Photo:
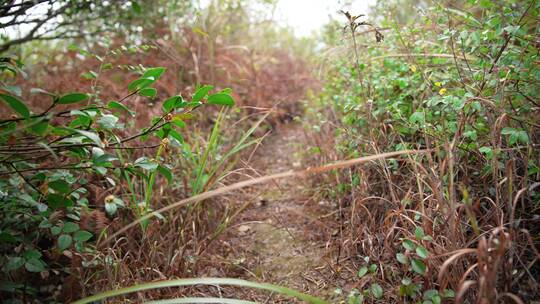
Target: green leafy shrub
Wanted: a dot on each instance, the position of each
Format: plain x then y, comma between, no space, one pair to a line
460,80
51,159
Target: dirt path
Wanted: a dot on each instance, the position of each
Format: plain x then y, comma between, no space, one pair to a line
281,239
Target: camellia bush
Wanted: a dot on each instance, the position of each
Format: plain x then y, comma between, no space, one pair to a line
51,161
463,81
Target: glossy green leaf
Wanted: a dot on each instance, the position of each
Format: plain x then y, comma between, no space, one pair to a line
64,241
114,105
16,104
34,265
72,98
107,122
146,163
154,72
70,227
201,93
148,92
362,272
14,263
402,258
60,186
418,266
6,237
90,135
56,201
170,103
82,236
136,7
422,252
111,208
140,83
221,99
40,127
32,254
166,172
56,230
409,245
419,233
376,290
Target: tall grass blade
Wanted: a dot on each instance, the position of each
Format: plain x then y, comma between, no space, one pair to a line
203,281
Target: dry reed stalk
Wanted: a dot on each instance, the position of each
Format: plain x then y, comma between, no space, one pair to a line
261,180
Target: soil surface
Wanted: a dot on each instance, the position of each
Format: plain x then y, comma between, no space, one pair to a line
283,237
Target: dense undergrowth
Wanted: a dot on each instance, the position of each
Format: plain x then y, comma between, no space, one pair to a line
98,133
111,129
459,80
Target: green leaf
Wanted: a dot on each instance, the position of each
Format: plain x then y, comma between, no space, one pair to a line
72,98
58,201
107,122
448,293
422,252
40,128
402,258
418,266
418,117
362,272
221,99
82,236
376,290
104,159
114,105
148,92
166,172
522,137
32,254
154,72
34,265
140,83
60,186
201,93
64,241
56,230
465,16
177,136
146,163
178,122
111,208
70,227
419,233
6,237
16,104
508,131
90,135
170,103
487,151
89,75
136,7
14,263
409,245
428,294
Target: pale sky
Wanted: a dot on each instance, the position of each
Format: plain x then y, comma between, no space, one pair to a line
306,16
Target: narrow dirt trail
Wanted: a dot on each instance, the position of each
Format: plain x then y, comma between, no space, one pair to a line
282,237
